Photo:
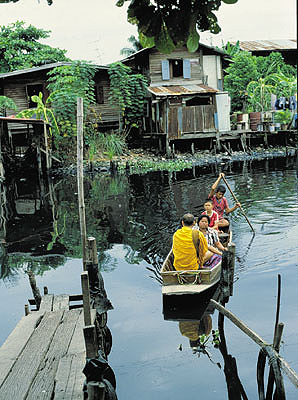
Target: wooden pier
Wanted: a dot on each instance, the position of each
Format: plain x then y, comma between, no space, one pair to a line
44,356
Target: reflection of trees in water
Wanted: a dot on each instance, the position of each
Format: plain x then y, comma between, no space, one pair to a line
20,262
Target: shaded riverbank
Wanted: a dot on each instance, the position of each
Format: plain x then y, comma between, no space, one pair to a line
138,161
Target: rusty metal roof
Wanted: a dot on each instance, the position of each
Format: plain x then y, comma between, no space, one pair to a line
267,45
14,120
179,90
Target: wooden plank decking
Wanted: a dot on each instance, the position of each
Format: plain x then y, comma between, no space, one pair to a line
44,356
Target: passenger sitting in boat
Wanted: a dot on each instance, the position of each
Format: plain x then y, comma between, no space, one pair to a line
189,246
214,244
220,203
208,206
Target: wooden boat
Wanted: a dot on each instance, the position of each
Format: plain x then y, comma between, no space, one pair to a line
191,281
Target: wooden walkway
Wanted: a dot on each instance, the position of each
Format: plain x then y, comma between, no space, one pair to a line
44,356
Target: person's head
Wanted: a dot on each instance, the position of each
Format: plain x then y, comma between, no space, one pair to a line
203,221
220,191
208,206
188,220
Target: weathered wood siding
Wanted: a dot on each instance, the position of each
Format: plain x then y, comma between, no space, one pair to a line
191,119
107,111
196,67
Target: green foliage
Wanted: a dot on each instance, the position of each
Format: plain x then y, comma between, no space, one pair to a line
128,93
110,144
41,111
283,117
66,84
241,71
172,23
136,46
259,94
144,166
250,80
20,47
7,104
231,49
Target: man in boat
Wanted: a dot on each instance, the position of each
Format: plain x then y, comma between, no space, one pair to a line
220,203
190,247
214,244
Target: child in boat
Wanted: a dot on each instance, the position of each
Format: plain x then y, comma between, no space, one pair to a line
220,203
208,206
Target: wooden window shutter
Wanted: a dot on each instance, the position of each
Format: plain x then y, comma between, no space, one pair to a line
186,69
165,70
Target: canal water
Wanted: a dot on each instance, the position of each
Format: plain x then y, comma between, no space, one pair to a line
133,219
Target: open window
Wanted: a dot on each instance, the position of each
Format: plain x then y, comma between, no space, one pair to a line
176,68
33,90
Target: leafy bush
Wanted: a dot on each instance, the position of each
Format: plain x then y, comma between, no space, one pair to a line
110,144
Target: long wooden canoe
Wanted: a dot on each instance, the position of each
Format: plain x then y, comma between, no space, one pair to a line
190,281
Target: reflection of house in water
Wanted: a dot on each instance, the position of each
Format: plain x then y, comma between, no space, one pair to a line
28,206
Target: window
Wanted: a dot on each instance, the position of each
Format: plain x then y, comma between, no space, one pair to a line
176,68
33,90
99,94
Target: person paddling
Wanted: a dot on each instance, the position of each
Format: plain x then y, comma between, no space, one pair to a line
220,203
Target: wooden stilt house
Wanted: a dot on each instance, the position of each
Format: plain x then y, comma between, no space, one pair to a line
185,95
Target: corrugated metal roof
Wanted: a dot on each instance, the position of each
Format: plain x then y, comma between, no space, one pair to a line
23,120
267,45
40,68
178,90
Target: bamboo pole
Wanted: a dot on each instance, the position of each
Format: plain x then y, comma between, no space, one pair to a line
241,209
80,177
46,145
292,375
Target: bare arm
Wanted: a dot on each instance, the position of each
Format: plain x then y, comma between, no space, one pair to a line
214,250
215,184
220,246
229,210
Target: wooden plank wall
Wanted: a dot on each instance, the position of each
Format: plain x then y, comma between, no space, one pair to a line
196,63
194,119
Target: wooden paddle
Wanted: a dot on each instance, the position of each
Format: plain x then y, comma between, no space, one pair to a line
235,198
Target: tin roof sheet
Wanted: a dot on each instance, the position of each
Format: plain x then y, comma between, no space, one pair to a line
178,90
267,45
14,120
42,67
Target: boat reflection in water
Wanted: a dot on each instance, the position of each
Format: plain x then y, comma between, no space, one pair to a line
195,323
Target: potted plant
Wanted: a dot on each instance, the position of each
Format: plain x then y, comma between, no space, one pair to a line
283,117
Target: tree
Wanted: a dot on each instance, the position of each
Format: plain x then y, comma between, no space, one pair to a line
168,23
242,70
136,46
251,79
20,47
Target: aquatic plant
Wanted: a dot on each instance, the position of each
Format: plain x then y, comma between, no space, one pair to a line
144,166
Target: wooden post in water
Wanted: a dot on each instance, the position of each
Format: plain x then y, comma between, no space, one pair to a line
80,176
86,297
27,309
91,251
96,390
292,375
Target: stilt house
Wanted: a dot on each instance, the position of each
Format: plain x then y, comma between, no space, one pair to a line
186,98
